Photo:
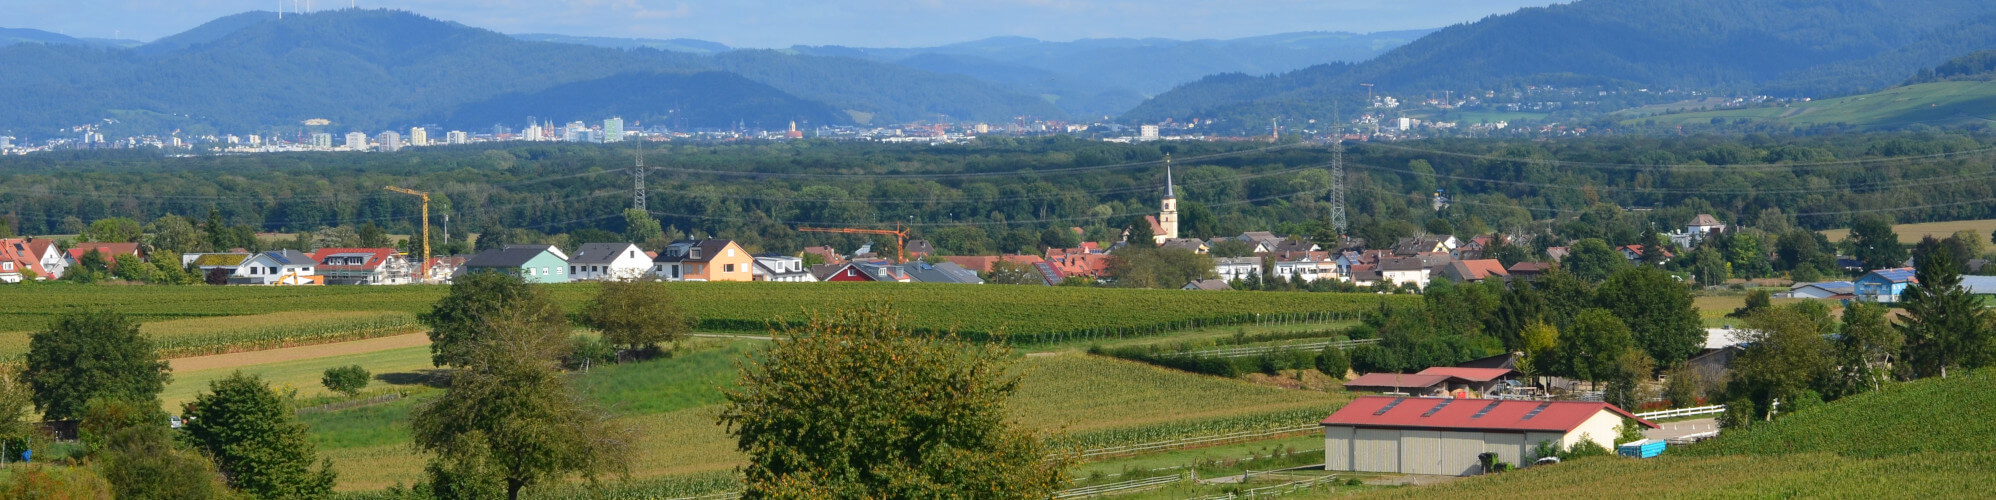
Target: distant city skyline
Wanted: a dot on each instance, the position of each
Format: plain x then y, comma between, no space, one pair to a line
784,23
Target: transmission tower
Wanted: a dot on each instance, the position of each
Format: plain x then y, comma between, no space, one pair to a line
638,178
1338,186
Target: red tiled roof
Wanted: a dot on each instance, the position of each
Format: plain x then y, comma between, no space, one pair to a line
1397,380
108,249
1462,414
1469,374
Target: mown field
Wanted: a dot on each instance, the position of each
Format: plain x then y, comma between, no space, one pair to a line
1925,439
1911,233
1027,314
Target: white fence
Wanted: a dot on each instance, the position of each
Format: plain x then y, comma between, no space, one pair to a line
1125,486
1276,490
1682,412
1196,441
1242,352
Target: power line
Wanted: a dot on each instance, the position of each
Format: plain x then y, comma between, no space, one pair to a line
1096,193
980,223
964,175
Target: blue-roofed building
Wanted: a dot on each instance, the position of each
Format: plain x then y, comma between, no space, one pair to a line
1884,285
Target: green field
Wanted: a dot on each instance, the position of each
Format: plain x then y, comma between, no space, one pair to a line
1027,314
1925,439
671,405
1938,104
1911,233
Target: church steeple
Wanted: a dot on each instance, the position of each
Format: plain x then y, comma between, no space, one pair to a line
1167,216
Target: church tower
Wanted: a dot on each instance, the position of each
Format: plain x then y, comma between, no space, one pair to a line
1168,217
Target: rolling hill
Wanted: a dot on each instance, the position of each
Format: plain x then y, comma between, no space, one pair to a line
368,70
1958,92
1802,48
677,99
11,36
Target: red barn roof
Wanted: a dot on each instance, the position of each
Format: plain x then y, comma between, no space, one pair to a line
1471,414
1397,380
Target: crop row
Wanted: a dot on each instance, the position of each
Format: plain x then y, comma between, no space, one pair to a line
1180,430
272,331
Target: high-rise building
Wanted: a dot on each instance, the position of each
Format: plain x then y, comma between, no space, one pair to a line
322,140
6,142
357,141
457,137
533,132
613,130
419,137
255,140
1147,132
390,141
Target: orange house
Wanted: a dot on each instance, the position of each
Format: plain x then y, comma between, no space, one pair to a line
704,260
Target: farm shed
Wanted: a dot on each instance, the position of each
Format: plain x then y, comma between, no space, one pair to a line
1441,436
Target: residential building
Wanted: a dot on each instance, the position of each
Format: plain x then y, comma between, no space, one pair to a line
364,266
1147,133
941,272
1528,270
1193,245
1304,266
704,260
781,268
419,137
1635,253
533,263
322,140
1425,244
111,251
1416,270
18,262
1700,227
608,261
919,249
1475,271
277,267
39,255
1208,285
1295,245
457,137
356,141
613,129
1884,285
1445,436
828,254
982,263
1236,268
390,141
867,271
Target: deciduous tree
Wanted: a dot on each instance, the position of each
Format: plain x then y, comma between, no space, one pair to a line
461,318
637,315
92,354
256,440
1784,355
1873,242
853,405
1593,260
1658,310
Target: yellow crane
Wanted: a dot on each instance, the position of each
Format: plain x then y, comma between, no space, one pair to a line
425,267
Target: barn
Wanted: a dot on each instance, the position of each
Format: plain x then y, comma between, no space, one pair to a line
1441,436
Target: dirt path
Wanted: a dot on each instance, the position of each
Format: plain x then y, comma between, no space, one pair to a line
239,359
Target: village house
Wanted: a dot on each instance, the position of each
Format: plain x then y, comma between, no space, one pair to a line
609,262
781,268
828,254
1207,285
110,251
1885,285
1697,230
1425,244
363,266
277,267
1236,268
1193,245
1304,266
1635,253
37,255
704,260
867,271
941,272
1475,271
533,263
919,249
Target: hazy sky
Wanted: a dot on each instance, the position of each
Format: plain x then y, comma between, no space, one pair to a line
782,23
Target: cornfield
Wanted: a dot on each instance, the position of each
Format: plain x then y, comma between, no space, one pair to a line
203,336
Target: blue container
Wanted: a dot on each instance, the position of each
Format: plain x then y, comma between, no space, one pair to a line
1647,448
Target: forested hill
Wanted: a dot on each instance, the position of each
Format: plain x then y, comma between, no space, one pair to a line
370,70
1800,48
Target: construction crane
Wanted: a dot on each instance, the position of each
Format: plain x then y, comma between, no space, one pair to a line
425,267
899,233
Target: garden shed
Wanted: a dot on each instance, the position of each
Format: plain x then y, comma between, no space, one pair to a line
1441,436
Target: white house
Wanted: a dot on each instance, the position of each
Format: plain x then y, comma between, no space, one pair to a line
1405,271
781,268
1701,226
608,261
1234,268
277,267
1443,436
1305,266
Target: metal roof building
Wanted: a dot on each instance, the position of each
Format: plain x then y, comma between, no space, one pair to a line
1441,436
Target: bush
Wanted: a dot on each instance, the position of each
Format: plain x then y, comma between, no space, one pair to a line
54,482
1739,415
586,350
1333,362
348,380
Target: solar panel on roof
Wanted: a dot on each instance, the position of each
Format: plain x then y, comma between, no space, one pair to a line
1438,407
1389,406
1535,411
1486,410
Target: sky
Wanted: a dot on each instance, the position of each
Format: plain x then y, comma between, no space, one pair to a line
783,23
